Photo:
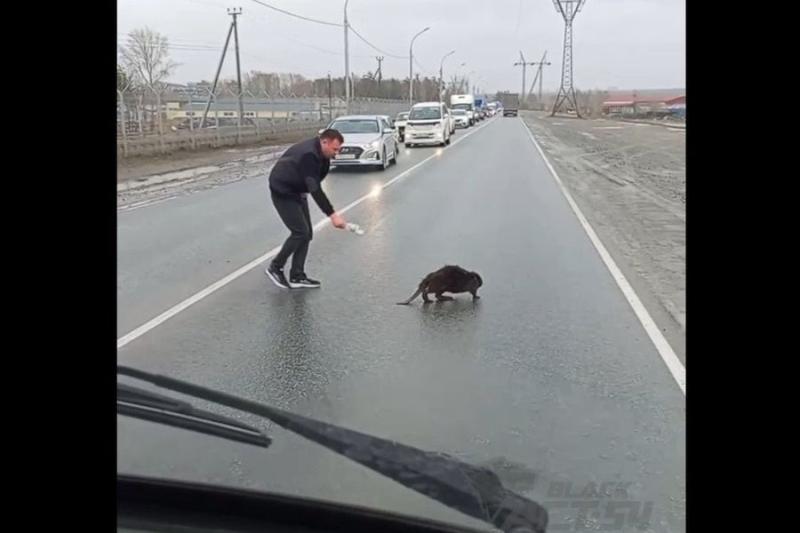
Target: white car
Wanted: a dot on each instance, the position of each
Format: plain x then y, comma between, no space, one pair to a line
428,123
462,118
400,125
390,122
369,140
451,120
465,102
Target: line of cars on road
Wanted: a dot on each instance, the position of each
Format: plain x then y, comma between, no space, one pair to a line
374,140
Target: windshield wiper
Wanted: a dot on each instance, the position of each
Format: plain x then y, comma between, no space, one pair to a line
475,491
146,405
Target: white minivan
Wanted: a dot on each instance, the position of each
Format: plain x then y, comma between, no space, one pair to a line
428,123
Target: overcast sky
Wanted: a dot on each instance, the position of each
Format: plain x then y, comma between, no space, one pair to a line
627,44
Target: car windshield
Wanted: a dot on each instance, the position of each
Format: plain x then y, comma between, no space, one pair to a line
424,113
490,265
356,126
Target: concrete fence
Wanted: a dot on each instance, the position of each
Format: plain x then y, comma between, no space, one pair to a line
138,141
279,131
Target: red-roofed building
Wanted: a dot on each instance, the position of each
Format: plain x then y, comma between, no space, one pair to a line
646,102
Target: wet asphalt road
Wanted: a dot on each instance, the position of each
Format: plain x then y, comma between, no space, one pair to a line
550,369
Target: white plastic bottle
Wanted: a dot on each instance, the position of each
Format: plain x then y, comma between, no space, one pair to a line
355,228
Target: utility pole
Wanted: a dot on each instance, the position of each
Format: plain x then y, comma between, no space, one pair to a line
524,68
346,62
235,12
566,92
539,76
330,97
380,72
216,76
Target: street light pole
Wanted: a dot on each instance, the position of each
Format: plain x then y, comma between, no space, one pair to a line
441,66
411,68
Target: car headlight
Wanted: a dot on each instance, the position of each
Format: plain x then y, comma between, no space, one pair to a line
371,146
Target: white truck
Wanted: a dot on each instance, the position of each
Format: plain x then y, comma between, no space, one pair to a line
465,102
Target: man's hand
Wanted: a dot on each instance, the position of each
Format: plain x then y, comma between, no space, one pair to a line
338,221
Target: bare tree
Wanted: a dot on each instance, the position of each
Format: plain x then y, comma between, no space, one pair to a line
365,85
228,88
458,85
123,84
130,93
146,58
258,82
123,81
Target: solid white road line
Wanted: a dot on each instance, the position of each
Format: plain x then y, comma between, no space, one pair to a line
666,352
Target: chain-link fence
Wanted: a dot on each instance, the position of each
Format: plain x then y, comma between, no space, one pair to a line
158,121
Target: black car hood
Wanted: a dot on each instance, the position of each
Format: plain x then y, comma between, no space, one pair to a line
473,490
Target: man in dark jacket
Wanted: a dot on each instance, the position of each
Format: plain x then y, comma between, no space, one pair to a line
298,173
